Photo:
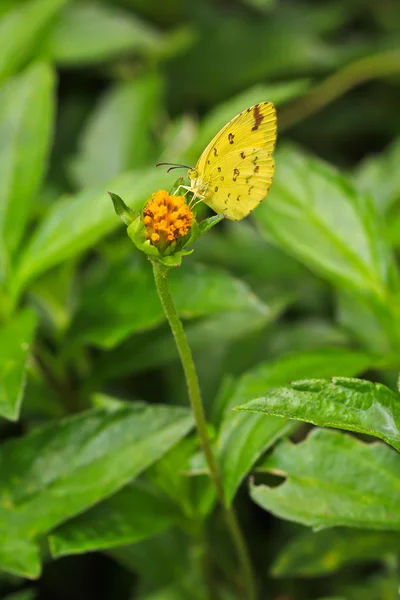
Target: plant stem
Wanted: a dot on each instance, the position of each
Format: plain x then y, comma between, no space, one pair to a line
242,552
185,353
360,71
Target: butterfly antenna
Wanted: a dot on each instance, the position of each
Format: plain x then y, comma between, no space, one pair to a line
172,166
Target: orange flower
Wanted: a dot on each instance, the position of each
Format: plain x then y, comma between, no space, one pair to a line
166,218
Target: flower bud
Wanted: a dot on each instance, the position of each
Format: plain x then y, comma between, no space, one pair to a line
165,227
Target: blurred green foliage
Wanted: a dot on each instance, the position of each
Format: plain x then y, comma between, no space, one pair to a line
99,465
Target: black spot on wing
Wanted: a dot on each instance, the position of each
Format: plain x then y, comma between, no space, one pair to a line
258,117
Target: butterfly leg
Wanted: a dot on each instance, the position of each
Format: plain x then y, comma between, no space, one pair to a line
192,204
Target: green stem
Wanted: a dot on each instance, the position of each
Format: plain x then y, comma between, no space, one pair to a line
185,353
242,552
358,72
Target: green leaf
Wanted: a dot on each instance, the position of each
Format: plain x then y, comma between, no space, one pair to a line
118,132
74,224
333,479
207,224
314,554
245,437
16,337
53,294
356,316
195,495
394,230
167,566
379,177
136,512
157,349
321,363
20,29
161,560
22,595
89,33
123,300
26,120
316,215
342,402
304,335
20,557
66,467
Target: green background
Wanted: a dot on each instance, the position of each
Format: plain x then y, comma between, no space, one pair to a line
103,490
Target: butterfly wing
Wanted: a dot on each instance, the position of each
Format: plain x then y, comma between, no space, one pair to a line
241,184
235,171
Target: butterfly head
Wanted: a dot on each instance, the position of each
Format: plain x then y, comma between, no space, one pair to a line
193,174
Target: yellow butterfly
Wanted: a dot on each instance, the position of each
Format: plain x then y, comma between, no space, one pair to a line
235,171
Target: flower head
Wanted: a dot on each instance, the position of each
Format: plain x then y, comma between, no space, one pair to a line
167,219
164,228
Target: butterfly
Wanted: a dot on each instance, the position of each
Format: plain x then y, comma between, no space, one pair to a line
235,171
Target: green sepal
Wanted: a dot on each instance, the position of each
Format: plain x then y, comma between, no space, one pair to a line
174,260
191,236
137,233
126,214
